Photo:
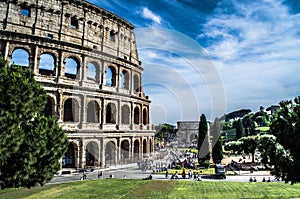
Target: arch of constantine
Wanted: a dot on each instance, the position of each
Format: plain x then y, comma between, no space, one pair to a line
86,59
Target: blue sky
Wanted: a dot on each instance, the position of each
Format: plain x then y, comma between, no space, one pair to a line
214,56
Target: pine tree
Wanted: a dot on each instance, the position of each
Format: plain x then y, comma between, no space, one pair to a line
30,143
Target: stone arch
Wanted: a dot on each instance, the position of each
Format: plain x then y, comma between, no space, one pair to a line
125,117
20,56
47,64
110,153
136,115
144,147
72,67
110,76
125,146
111,113
92,154
93,71
145,116
50,107
193,138
136,83
136,148
71,110
70,158
93,112
125,79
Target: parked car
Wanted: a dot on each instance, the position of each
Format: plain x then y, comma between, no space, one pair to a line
220,171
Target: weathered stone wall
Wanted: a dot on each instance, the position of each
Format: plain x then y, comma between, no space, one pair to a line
85,33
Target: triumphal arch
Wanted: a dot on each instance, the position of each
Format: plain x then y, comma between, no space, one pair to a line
86,59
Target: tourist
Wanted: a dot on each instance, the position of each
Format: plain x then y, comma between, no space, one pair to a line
254,180
183,174
264,179
100,174
251,179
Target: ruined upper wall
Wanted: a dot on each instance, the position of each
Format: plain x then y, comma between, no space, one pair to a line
71,21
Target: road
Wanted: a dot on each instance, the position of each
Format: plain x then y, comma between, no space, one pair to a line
133,172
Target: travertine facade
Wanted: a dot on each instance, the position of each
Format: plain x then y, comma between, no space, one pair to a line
87,61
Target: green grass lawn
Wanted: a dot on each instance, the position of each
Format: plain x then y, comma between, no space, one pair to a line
126,188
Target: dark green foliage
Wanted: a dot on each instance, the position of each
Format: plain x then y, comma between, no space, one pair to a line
234,146
249,145
286,128
217,150
203,144
237,114
262,118
30,144
238,125
249,124
164,131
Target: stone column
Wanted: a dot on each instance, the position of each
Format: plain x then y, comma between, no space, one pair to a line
119,113
36,61
6,51
83,69
103,151
83,153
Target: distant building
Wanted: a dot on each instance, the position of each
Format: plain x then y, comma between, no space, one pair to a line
187,133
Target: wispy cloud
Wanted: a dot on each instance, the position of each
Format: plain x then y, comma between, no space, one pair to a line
253,45
148,14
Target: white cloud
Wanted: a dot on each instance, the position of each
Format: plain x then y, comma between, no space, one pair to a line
148,14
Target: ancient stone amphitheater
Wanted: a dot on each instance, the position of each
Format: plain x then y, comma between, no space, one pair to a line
86,58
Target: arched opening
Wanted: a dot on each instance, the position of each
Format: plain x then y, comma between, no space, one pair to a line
125,80
136,115
144,147
110,76
93,111
50,107
20,57
136,83
47,64
193,139
150,145
136,148
92,72
145,117
110,153
71,111
125,115
72,68
111,113
92,154
124,149
70,158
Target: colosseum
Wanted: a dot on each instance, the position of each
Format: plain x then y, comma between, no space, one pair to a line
86,59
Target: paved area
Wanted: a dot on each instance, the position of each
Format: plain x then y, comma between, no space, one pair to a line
131,171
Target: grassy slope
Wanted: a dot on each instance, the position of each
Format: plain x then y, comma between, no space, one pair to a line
122,188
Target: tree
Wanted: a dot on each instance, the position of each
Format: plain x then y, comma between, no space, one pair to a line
234,146
30,143
203,144
163,131
217,150
238,125
286,128
249,124
249,145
